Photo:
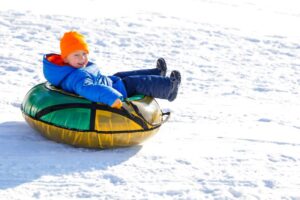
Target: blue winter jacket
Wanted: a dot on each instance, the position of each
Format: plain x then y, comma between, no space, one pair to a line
86,81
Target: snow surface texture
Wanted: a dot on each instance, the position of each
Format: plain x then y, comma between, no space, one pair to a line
235,126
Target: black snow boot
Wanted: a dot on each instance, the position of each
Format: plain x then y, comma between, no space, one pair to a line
175,82
162,66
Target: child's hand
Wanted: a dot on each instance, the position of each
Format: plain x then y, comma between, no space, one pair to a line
117,104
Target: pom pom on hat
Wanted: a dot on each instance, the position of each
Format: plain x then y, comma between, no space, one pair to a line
72,41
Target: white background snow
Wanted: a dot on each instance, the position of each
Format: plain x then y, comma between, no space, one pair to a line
235,127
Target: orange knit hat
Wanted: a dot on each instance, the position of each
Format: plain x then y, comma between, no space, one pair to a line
72,41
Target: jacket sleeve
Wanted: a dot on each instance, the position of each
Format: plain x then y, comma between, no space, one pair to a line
97,93
118,85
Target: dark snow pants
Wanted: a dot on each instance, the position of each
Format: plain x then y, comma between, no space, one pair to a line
147,82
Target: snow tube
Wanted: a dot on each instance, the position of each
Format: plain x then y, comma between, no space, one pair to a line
71,119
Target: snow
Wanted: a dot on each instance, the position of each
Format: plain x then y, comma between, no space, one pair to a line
235,126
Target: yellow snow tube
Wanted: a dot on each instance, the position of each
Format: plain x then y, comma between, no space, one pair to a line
71,119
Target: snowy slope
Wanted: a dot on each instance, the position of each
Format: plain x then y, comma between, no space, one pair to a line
235,126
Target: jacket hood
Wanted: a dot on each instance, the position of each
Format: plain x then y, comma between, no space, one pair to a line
54,73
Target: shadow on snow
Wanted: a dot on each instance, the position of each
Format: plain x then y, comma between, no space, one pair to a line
27,156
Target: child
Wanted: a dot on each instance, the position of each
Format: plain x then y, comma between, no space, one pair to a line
73,72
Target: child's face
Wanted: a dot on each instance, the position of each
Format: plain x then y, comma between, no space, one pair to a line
77,59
